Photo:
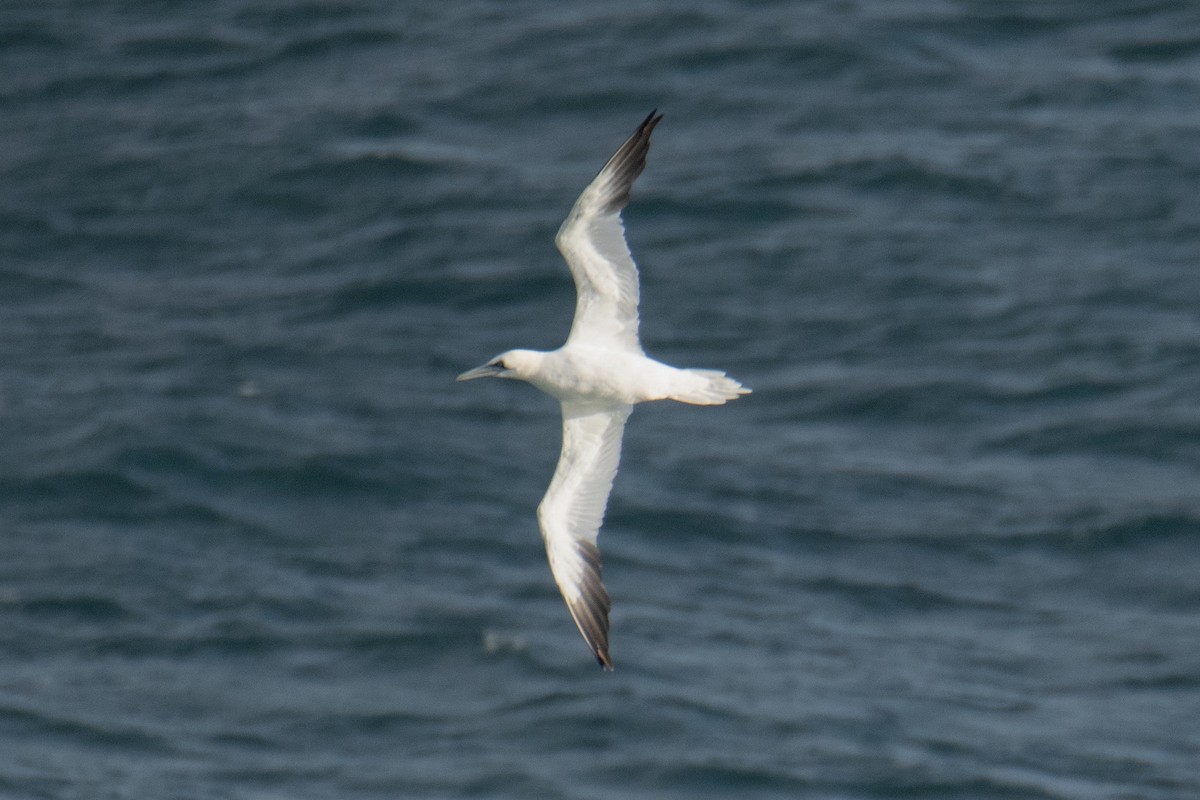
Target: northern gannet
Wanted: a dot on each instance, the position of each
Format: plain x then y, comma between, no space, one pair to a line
598,375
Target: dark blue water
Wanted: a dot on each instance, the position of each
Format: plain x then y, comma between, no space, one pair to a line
256,543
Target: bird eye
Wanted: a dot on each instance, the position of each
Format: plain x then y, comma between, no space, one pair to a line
499,362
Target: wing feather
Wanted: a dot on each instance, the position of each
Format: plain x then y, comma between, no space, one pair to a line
592,240
572,511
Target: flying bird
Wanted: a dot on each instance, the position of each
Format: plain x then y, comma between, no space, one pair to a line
598,375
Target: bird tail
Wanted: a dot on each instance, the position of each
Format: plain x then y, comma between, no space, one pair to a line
705,387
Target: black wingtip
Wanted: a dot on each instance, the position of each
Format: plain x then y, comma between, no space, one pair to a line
648,124
589,609
626,165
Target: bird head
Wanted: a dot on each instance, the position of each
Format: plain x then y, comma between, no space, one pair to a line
518,364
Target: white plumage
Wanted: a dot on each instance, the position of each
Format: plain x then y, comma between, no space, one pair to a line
598,375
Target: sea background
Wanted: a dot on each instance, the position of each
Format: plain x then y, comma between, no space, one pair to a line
255,542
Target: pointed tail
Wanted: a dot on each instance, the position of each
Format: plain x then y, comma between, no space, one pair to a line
705,387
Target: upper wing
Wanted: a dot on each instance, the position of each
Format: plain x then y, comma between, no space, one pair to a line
573,508
592,240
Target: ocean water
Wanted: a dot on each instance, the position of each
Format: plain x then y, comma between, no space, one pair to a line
256,543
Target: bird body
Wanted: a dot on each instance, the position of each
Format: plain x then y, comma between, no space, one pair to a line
598,375
578,373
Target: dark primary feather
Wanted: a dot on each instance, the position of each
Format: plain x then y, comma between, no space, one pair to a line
626,164
590,610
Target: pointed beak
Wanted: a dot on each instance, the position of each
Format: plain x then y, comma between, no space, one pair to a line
486,371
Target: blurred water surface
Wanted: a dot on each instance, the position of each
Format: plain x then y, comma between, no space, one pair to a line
256,543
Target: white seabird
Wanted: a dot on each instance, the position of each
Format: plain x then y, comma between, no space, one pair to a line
598,375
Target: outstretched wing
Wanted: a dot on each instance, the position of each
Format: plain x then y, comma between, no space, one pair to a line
573,508
592,240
